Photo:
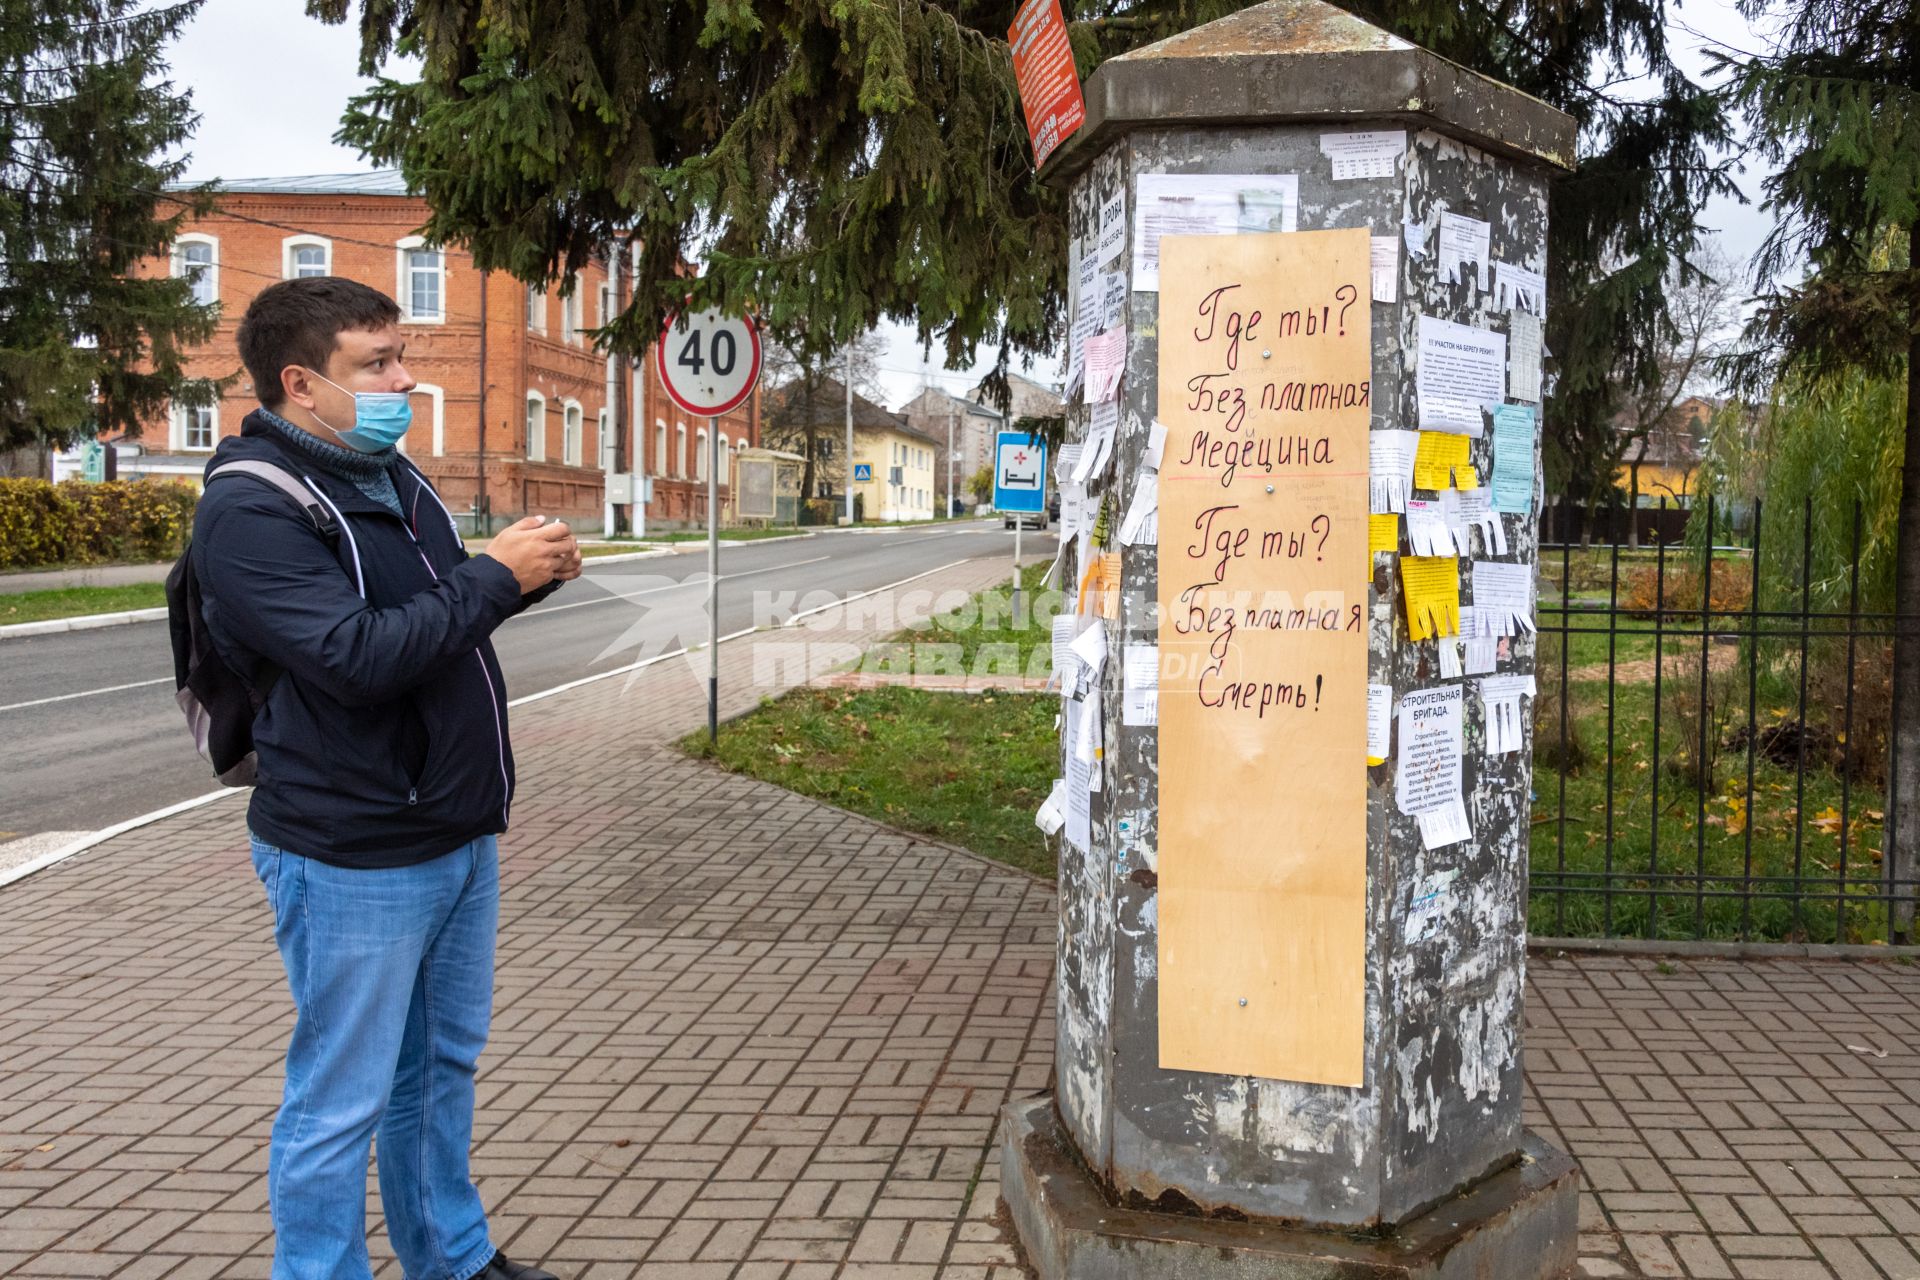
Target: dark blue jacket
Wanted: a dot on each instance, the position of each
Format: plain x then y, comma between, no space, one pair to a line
384,742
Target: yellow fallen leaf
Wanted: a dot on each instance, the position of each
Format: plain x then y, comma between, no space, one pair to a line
1828,821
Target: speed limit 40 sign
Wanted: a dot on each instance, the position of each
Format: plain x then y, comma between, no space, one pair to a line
708,362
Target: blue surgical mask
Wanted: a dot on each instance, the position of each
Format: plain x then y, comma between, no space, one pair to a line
380,418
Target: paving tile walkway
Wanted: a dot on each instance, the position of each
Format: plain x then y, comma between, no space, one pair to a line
740,1034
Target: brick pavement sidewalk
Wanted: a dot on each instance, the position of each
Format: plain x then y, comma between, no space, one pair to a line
741,1034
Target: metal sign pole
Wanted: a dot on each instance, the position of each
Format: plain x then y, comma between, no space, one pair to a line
713,581
847,373
701,370
1019,522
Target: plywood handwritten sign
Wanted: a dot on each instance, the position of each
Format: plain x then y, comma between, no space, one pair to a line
1265,369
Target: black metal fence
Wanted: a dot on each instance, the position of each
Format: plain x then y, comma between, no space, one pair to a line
1713,737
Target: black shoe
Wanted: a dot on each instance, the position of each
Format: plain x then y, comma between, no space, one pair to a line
499,1268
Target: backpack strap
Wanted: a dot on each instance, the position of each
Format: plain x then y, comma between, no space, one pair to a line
287,483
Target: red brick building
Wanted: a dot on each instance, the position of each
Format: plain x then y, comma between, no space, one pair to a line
514,403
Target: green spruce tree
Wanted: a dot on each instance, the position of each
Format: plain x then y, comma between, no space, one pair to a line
1836,104
839,161
87,119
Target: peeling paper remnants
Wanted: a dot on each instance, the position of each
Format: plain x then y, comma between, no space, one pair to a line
1487,1040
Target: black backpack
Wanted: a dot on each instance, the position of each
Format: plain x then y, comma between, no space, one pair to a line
218,702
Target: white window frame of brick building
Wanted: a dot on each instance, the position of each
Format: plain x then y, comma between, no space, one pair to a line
572,308
291,268
536,309
536,434
204,277
680,450
573,425
726,459
406,269
437,402
185,420
700,455
602,441
659,446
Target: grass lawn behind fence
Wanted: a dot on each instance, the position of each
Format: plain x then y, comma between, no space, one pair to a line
1685,872
75,602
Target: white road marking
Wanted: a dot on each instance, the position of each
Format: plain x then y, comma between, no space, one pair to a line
107,833
84,693
862,595
681,652
648,591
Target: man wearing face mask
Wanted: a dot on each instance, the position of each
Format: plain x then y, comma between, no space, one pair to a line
384,776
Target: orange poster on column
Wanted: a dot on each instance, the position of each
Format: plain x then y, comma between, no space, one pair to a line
1265,377
1043,68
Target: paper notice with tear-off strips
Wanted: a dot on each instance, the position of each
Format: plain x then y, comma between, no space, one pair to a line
1501,711
1464,254
1518,289
1390,465
1432,585
1263,705
1502,598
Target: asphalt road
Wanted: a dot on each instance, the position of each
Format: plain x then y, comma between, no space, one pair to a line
93,736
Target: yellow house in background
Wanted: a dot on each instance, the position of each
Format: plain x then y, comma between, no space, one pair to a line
893,471
1669,464
893,461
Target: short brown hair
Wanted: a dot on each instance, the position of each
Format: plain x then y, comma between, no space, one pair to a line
300,322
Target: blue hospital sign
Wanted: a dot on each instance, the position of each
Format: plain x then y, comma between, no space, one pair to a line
862,472
1020,473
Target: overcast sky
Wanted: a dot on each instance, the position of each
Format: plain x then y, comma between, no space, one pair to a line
257,122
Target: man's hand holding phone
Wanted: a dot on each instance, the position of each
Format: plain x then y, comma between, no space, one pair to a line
537,551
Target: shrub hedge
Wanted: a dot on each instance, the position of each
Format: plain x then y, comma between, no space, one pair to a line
79,523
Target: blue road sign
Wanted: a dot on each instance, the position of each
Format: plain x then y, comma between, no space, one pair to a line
862,472
1019,473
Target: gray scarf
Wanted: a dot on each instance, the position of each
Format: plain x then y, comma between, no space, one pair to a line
367,472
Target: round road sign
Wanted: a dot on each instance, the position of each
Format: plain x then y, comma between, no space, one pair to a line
708,362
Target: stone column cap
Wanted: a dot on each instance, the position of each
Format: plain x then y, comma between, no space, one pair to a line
1293,61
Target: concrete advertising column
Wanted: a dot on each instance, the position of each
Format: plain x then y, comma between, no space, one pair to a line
1293,881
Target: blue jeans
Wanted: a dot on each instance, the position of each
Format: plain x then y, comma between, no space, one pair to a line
392,980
